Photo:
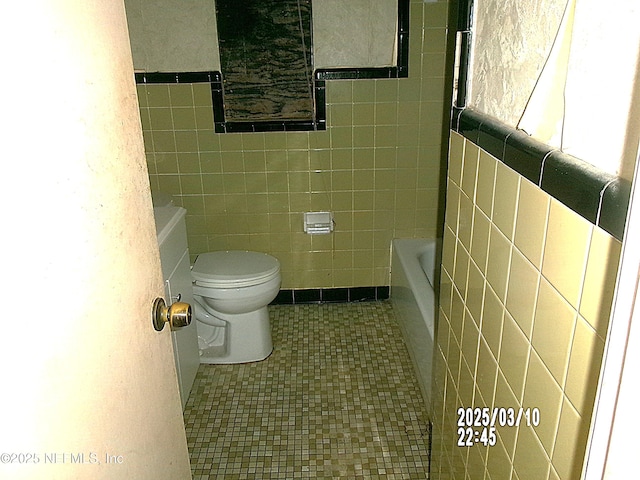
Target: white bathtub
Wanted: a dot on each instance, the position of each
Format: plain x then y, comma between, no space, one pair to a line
414,303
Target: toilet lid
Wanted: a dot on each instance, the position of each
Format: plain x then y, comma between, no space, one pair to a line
234,268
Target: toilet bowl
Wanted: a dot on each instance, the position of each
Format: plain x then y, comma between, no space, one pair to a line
231,291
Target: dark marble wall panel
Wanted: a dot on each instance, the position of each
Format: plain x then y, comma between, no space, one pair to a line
265,56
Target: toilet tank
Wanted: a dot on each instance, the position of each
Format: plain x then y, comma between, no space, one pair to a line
176,271
172,234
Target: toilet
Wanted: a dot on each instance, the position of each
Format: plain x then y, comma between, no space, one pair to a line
231,291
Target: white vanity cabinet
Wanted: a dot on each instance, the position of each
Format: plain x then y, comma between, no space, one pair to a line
176,271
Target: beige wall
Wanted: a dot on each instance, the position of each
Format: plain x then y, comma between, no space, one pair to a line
526,291
369,27
376,166
171,36
574,87
503,92
181,36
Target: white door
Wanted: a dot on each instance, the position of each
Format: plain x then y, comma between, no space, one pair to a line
88,388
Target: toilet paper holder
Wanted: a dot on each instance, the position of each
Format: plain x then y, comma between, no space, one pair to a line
318,222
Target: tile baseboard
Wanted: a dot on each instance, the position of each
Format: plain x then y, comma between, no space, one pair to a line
332,295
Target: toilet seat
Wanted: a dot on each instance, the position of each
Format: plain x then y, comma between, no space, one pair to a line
234,268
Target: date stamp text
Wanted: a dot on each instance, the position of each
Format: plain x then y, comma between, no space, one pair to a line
478,425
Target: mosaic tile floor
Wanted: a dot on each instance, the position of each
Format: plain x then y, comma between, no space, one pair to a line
336,399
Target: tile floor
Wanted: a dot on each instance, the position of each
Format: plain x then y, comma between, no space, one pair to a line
336,399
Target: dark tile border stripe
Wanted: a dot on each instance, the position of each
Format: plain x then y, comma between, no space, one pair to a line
320,76
357,73
598,196
177,77
331,295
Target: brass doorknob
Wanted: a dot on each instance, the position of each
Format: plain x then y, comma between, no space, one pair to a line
177,315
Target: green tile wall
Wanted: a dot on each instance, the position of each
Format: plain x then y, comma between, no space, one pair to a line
377,167
525,296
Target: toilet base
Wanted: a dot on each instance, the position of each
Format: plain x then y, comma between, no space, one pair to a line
245,338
